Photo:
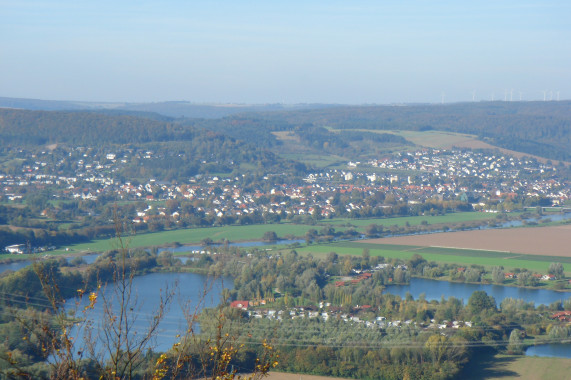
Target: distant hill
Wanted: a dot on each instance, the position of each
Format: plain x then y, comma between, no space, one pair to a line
181,150
214,111
535,128
173,109
85,128
41,105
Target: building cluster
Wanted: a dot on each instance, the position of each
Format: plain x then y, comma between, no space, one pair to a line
542,277
325,312
450,171
22,249
412,177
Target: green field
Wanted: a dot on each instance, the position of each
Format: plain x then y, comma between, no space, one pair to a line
317,160
255,232
435,139
457,217
509,367
192,236
431,139
441,255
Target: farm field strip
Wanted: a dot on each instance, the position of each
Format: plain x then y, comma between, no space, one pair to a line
433,138
537,263
551,241
458,217
450,251
437,250
493,254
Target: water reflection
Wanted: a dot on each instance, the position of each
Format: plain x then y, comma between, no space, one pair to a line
14,266
435,290
191,289
550,350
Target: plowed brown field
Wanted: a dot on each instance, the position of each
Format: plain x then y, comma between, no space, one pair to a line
548,241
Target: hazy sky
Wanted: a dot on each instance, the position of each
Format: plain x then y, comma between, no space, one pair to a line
285,51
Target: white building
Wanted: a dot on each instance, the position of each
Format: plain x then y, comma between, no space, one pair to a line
16,249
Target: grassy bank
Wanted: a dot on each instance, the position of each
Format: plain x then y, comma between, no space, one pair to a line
506,367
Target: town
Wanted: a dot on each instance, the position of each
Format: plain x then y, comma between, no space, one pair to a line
484,181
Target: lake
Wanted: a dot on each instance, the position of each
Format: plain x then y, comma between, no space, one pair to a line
434,290
190,288
14,266
550,350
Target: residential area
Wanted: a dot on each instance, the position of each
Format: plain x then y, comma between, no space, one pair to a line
486,182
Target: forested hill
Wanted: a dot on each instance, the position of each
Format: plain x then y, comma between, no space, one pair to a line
86,128
180,150
538,128
173,109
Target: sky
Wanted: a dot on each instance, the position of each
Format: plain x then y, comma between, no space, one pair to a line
348,52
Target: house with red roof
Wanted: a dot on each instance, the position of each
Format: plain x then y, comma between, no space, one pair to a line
240,304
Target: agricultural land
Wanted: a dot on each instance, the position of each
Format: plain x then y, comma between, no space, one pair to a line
545,241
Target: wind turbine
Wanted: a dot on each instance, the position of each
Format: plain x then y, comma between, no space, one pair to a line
505,95
520,96
551,95
473,95
511,95
544,93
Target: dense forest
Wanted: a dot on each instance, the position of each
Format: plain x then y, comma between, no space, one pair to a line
84,128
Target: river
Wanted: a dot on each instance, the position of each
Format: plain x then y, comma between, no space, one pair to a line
243,244
14,265
434,290
17,265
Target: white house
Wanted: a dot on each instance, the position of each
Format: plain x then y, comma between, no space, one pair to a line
16,249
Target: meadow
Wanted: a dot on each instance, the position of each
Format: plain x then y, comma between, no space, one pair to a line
433,139
508,367
255,232
538,263
318,160
189,236
457,217
194,236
